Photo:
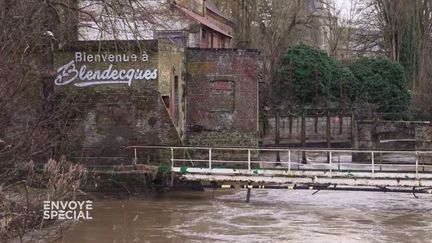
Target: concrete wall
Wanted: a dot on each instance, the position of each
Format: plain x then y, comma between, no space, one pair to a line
172,67
379,135
315,129
423,135
222,97
364,139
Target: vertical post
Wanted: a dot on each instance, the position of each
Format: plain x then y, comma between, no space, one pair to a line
290,125
342,103
277,138
135,156
416,166
330,161
172,158
249,160
248,193
172,166
352,128
289,160
328,134
373,163
210,158
303,136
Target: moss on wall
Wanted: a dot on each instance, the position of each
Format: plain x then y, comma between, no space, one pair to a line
223,139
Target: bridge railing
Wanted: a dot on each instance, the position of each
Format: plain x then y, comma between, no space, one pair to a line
294,159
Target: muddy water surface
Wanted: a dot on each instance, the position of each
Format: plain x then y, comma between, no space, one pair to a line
272,216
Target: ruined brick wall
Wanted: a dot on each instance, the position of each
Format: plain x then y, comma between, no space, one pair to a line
114,113
120,119
222,97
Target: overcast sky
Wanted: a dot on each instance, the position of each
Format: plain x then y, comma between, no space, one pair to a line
344,7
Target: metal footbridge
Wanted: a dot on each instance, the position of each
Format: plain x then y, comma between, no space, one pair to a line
299,168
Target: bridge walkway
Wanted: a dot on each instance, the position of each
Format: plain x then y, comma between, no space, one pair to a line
299,167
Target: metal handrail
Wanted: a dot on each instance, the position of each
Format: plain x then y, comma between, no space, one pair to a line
249,161
276,149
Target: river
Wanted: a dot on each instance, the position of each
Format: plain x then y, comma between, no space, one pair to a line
271,216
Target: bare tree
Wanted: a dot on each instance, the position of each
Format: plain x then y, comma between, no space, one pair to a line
35,123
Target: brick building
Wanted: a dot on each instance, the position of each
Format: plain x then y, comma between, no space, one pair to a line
190,23
162,91
222,96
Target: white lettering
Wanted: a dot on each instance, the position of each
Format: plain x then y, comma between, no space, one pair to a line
106,72
114,73
63,205
85,76
67,73
88,215
89,74
67,209
73,205
111,58
134,58
107,57
122,74
81,204
144,57
78,56
55,205
89,205
81,215
46,214
61,214
46,205
68,216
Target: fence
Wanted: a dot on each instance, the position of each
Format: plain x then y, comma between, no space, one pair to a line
292,159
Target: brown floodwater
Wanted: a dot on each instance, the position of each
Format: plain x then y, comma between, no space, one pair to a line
271,216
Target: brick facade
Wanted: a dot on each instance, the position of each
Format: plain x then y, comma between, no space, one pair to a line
207,97
116,113
222,97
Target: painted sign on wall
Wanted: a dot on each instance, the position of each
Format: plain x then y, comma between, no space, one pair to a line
88,69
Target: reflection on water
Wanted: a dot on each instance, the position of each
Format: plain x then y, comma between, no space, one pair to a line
272,216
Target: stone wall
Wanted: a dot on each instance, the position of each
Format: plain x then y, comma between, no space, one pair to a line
379,135
364,139
221,139
423,135
222,97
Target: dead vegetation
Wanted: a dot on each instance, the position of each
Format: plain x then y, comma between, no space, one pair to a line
21,202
